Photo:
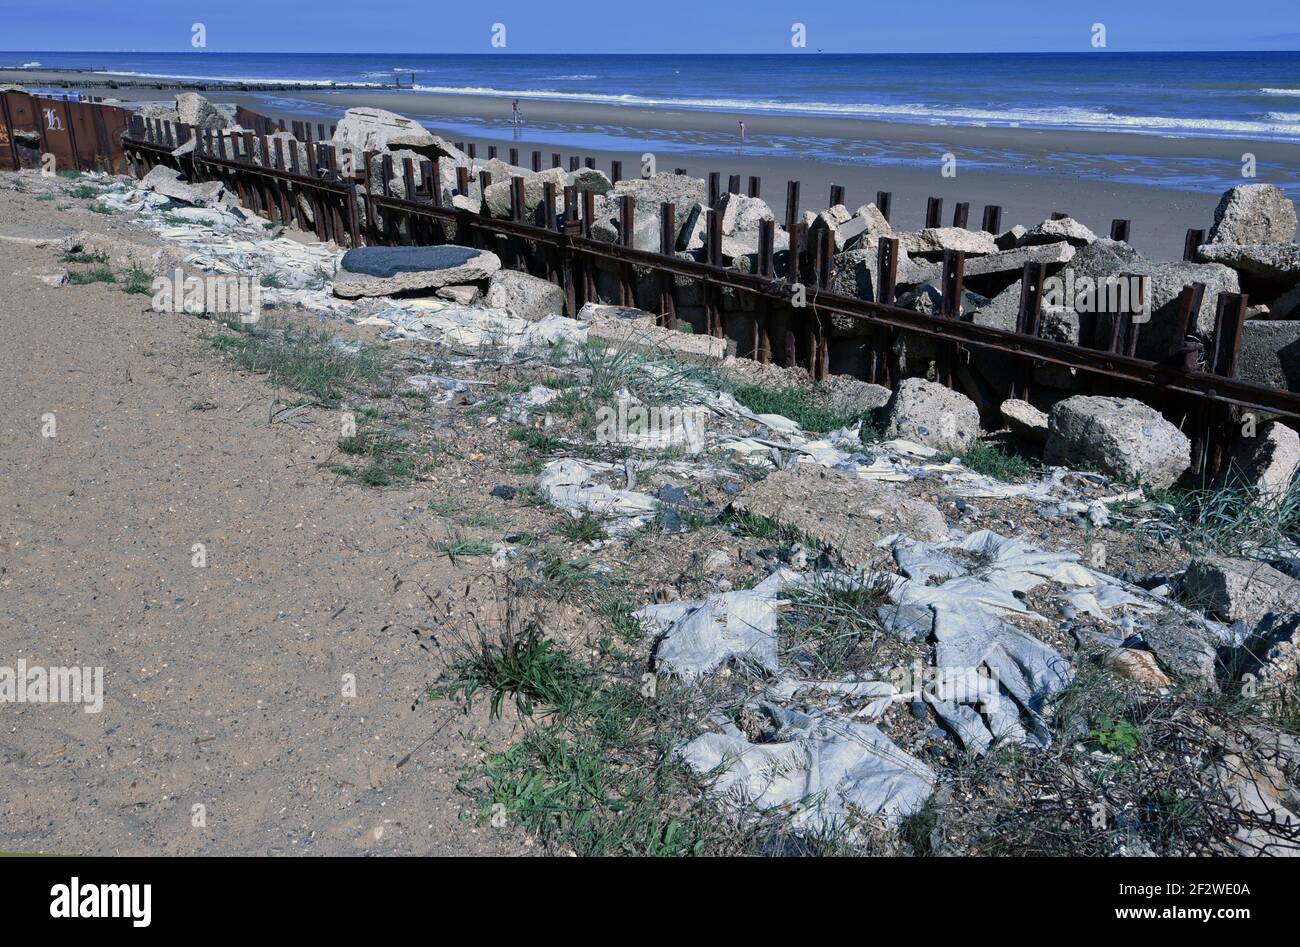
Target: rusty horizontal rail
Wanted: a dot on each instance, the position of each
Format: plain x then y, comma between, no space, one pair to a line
1118,367
1113,366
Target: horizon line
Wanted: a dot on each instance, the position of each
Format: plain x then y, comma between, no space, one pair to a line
499,54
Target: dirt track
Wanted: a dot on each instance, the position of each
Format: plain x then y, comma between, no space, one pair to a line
223,684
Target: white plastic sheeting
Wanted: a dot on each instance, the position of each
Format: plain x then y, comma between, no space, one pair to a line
821,769
701,635
571,485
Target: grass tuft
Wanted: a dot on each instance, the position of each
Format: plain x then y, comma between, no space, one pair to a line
302,359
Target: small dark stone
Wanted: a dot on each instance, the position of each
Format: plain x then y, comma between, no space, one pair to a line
670,520
731,489
918,709
671,494
504,491
1289,567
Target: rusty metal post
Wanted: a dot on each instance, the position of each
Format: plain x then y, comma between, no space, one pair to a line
934,212
884,201
668,247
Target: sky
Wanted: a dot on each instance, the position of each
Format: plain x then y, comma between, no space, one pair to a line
650,26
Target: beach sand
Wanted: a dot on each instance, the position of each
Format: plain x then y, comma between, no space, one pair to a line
1163,185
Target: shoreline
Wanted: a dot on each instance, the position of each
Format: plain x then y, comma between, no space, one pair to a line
1164,185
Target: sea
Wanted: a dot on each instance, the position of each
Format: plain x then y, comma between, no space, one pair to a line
1252,95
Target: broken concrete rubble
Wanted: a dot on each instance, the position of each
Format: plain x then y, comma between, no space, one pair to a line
1279,262
933,415
1239,589
372,129
169,183
1065,229
1254,213
1118,436
524,296
1267,462
843,512
1025,421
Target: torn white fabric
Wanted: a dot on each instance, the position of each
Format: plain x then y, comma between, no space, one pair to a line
851,698
823,770
569,484
701,635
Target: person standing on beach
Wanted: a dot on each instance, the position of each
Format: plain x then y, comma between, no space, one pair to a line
741,123
515,117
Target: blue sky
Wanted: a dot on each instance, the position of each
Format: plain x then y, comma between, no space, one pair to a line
682,26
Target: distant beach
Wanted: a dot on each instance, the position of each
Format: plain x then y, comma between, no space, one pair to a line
1076,134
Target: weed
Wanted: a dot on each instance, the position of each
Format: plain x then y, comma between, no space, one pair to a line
799,405
302,359
584,529
525,666
1116,736
536,440
1233,520
831,624
389,459
995,460
136,282
99,274
458,546
81,256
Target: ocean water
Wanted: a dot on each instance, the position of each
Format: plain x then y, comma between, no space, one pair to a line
1213,95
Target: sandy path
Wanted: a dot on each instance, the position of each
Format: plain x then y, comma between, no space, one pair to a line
224,684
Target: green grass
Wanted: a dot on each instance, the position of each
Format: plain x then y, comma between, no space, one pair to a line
457,547
1116,736
136,282
833,623
524,666
996,461
584,529
801,406
386,458
598,776
536,440
764,527
81,256
98,274
301,359
271,280
84,191
1231,520
565,575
